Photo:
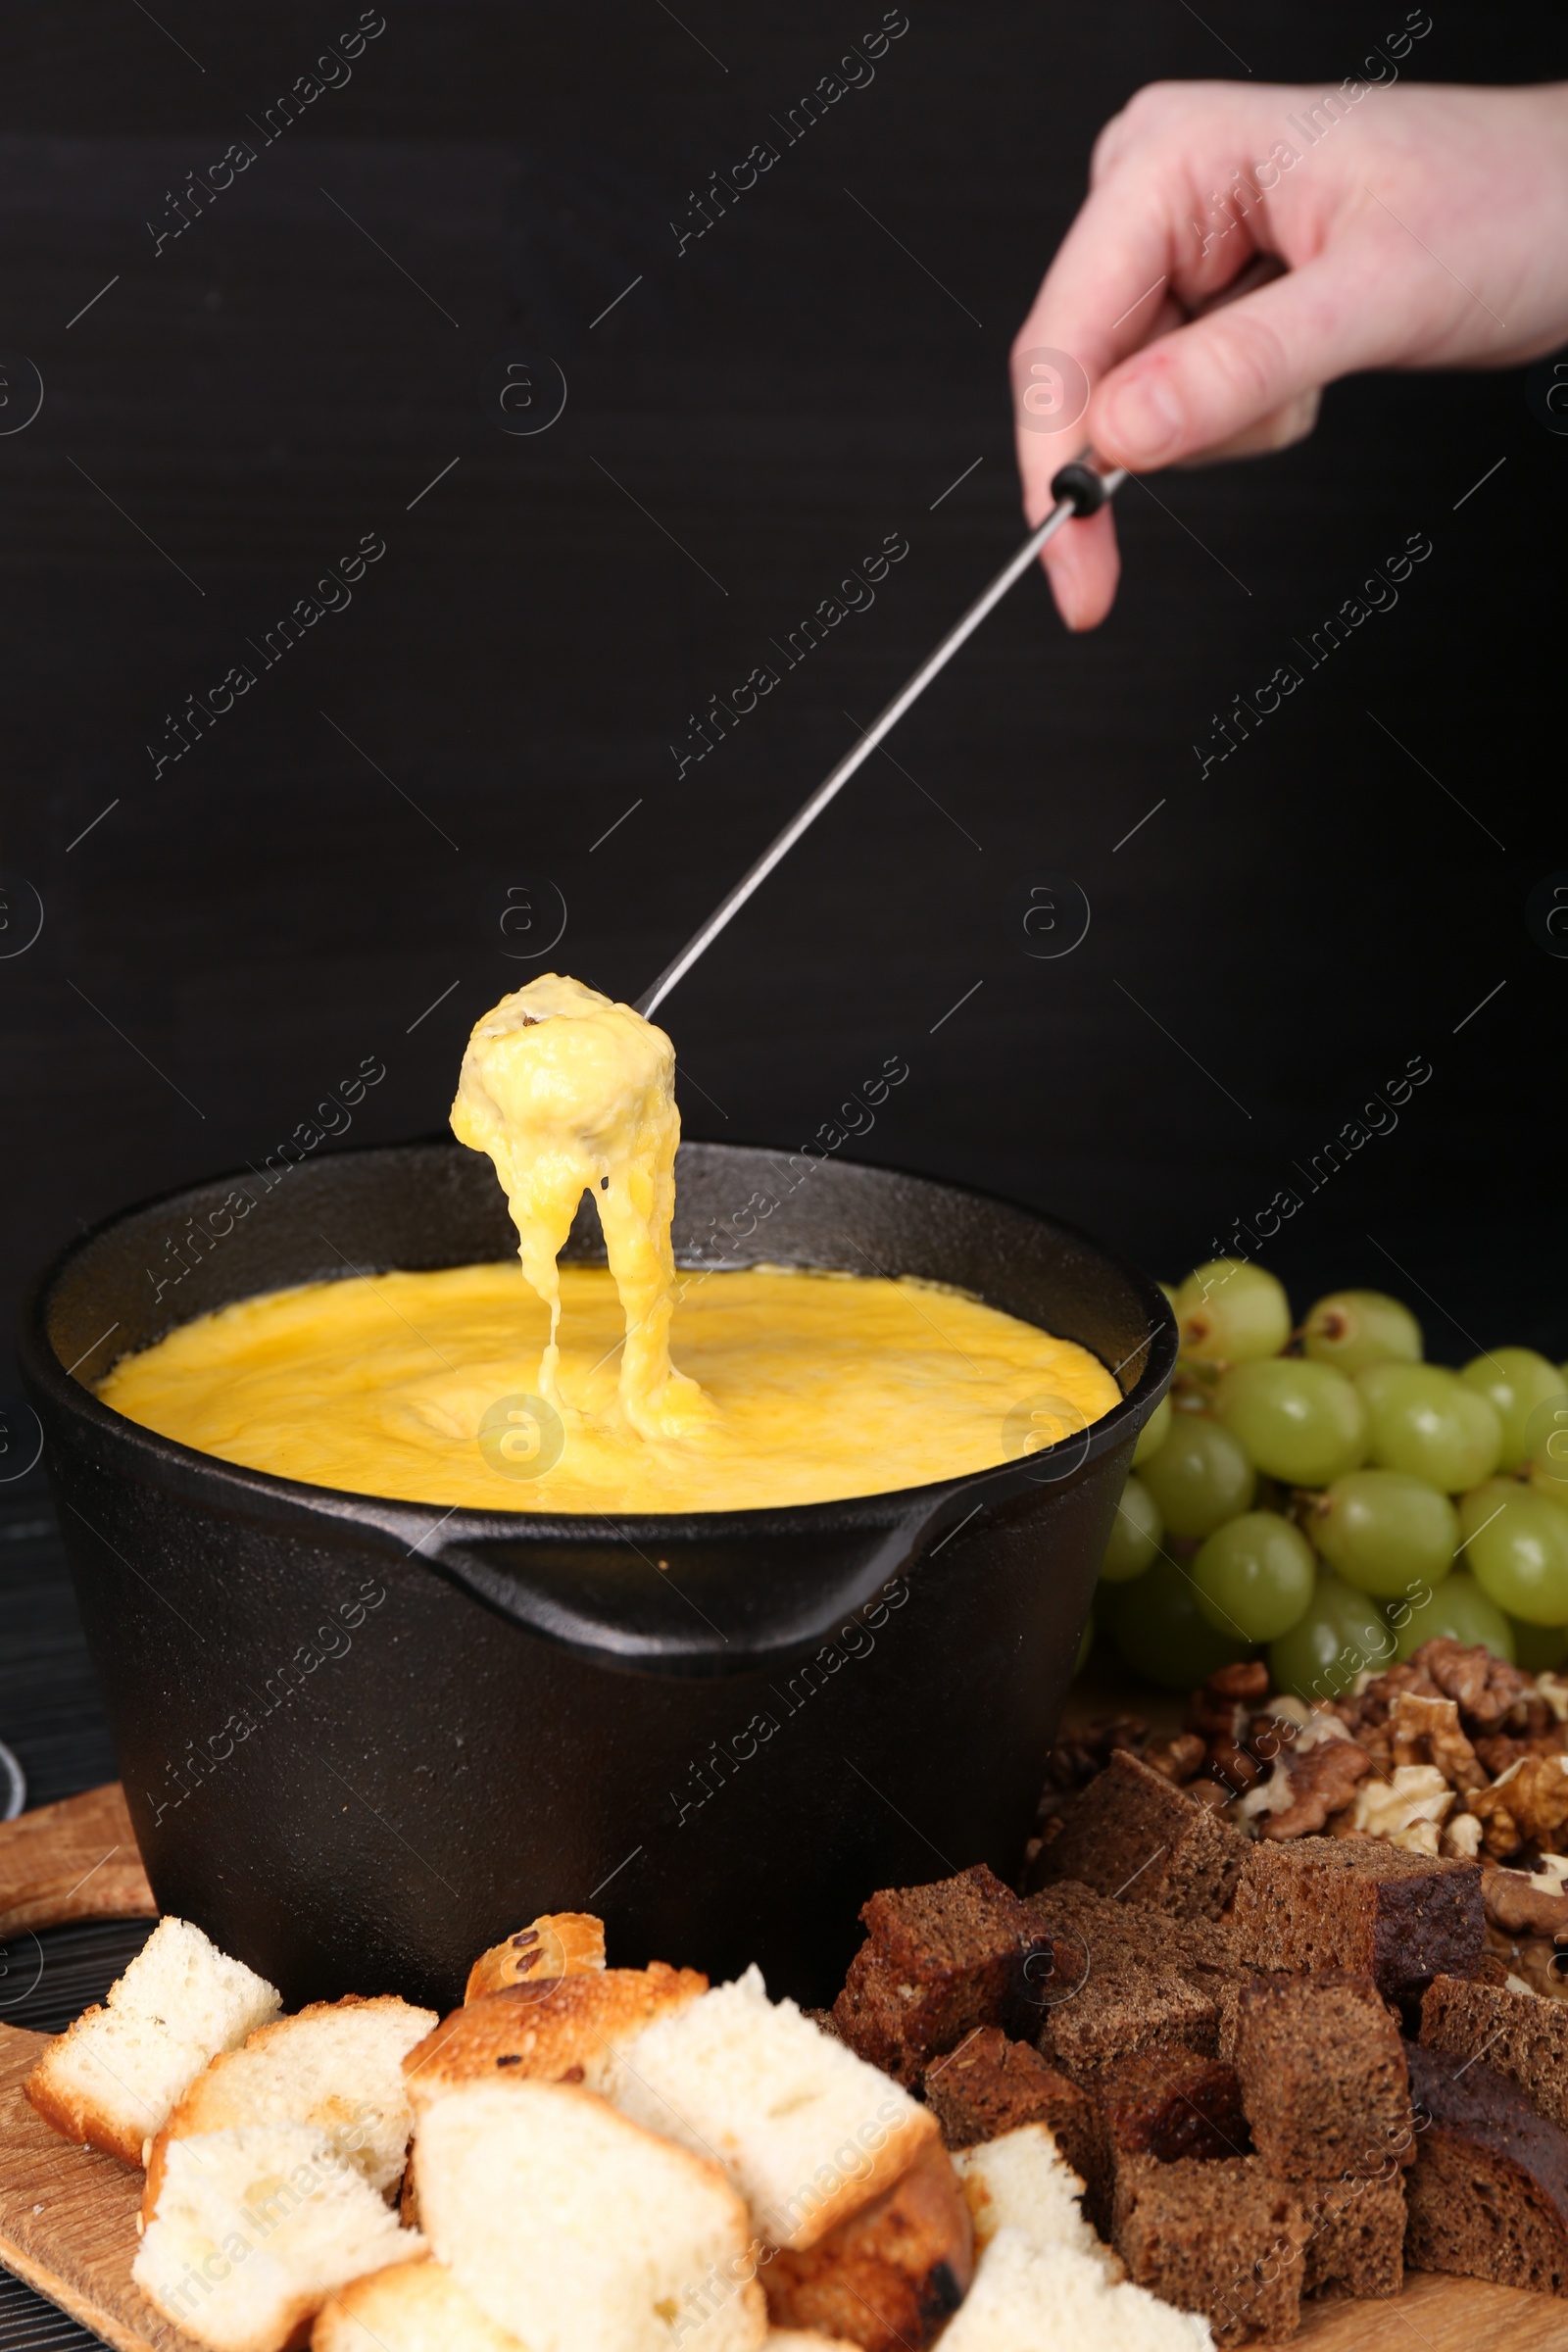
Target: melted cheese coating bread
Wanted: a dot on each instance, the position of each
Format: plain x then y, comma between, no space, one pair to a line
536,1387
569,1092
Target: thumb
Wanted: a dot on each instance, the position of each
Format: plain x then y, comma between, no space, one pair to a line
1212,383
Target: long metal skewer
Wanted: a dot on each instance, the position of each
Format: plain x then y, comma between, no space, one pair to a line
1079,490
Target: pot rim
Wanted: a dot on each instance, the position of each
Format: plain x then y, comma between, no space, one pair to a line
157,1459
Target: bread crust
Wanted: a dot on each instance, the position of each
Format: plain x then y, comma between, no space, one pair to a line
230,1993
906,2148
384,2310
72,2117
558,1943
890,2275
298,2313
564,2030
205,2107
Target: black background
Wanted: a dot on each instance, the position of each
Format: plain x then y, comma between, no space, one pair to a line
234,936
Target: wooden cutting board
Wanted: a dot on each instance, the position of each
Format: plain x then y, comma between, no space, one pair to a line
68,2216
74,1860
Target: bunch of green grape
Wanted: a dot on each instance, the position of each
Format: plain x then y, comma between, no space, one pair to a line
1323,1491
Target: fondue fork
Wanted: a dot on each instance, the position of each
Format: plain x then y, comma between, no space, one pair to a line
1078,489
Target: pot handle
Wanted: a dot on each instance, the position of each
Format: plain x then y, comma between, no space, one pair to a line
720,1603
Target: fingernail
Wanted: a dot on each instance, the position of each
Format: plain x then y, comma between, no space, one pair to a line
1142,417
1063,579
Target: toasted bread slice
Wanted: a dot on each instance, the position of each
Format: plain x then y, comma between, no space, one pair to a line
889,2277
412,2307
1023,2182
255,2227
807,2132
566,2029
559,1943
337,2065
112,2079
581,2231
1026,2297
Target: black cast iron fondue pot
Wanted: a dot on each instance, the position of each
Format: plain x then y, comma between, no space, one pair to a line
364,1740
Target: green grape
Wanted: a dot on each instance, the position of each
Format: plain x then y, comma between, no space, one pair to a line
1458,1611
1136,1533
1382,1531
1424,1420
1341,1635
1084,1648
1255,1577
1516,1547
1299,1422
1152,1437
1547,1448
1515,1381
1201,1477
1229,1313
1351,1328
1169,1289
1538,1648
1161,1630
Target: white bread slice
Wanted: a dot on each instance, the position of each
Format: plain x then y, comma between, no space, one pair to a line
558,1943
337,2065
414,2307
112,2079
254,2228
807,2132
1035,2298
578,2230
805,2339
571,2029
420,2307
1023,2182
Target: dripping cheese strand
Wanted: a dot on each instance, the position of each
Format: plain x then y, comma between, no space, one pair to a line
568,1093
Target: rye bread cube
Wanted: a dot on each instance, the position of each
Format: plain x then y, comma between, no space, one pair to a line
938,1961
1323,2077
1487,2194
1172,2102
1520,2035
989,2085
1141,2007
1135,1835
1091,1932
1122,1980
1168,2102
1361,1904
1223,2238
1358,2241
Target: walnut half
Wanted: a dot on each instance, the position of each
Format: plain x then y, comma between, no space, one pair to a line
1320,1781
1527,1806
1406,1811
1426,1731
1519,1905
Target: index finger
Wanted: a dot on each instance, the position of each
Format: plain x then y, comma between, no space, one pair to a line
1110,289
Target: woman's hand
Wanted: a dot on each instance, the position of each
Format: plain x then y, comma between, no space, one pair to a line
1397,228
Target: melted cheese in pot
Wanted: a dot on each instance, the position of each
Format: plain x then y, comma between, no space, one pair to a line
498,1387
817,1385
